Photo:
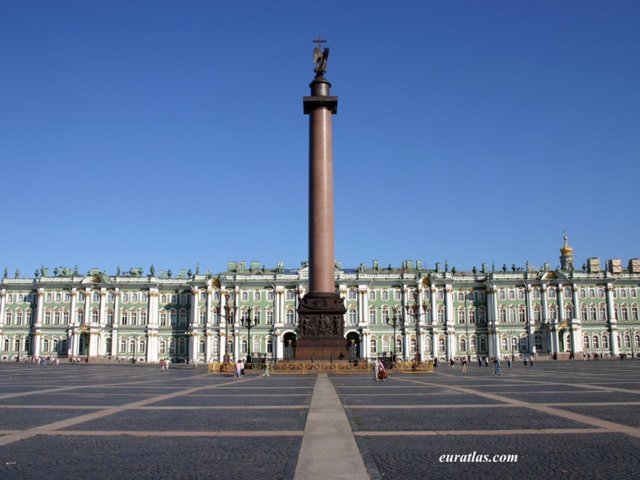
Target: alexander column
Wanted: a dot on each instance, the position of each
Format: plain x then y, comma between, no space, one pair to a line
321,310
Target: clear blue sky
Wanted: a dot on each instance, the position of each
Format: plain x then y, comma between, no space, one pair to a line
171,132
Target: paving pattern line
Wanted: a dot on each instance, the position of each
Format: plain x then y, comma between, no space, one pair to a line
104,412
173,433
578,417
487,433
329,449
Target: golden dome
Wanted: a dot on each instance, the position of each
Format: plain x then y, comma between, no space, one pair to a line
566,250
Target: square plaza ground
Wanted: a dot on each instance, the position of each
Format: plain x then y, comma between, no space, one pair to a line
569,419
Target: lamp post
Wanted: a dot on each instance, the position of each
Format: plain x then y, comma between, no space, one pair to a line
248,323
393,321
228,309
416,314
20,334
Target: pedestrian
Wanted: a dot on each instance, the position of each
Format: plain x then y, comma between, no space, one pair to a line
496,363
531,361
452,362
479,361
464,364
525,361
167,363
376,370
486,362
238,369
382,371
509,362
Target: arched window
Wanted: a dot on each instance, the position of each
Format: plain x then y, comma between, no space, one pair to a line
56,317
398,345
256,345
502,314
47,317
290,316
19,317
270,345
603,312
522,314
163,347
132,346
203,317
163,319
143,317
583,313
373,346
512,314
134,317
605,340
183,317
174,317
440,314
482,315
123,345
269,316
483,344
372,316
473,343
243,347
504,344
596,341
182,346
45,345
202,348
538,342
80,316
413,346
585,341
441,344
142,347
124,318
463,344
94,316
352,316
461,316
568,311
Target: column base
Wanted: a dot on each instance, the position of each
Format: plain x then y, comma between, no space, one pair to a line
321,318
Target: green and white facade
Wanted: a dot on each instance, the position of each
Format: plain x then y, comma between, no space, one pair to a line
413,311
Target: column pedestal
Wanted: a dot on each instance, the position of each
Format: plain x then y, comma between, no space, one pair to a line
321,327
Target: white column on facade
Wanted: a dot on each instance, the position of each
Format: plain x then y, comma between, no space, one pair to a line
87,307
102,320
529,320
115,348
403,317
613,320
152,327
222,349
492,322
450,322
576,323
37,323
3,296
194,337
434,322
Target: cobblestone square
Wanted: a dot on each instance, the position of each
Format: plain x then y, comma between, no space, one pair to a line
562,419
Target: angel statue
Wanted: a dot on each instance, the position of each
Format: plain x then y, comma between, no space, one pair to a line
320,56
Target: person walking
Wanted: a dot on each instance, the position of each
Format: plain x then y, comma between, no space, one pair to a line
496,363
382,371
464,365
376,370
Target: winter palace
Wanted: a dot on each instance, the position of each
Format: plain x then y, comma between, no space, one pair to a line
410,311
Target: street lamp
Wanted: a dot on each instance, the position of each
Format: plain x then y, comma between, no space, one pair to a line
394,322
227,315
20,334
248,323
416,314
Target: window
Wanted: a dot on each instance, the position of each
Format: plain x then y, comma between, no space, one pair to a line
504,345
163,298
398,345
461,316
521,294
56,317
257,296
290,294
183,317
567,292
440,314
502,314
182,346
537,314
605,340
473,343
244,296
67,296
603,312
143,317
502,295
463,344
19,317
482,315
65,317
132,346
582,293
269,317
216,295
568,311
512,294
385,295
290,316
134,298
441,344
522,314
372,316
58,297
593,313
48,298
535,293
552,292
413,346
125,298
134,317
124,318
203,296
110,317
270,296
523,344
203,316
96,297
174,317
202,349
174,299
94,316
397,295
373,346
163,347
163,319
461,296
353,316
123,345
372,295
29,317
47,317
585,341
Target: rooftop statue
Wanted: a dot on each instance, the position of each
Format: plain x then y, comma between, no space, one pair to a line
320,56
